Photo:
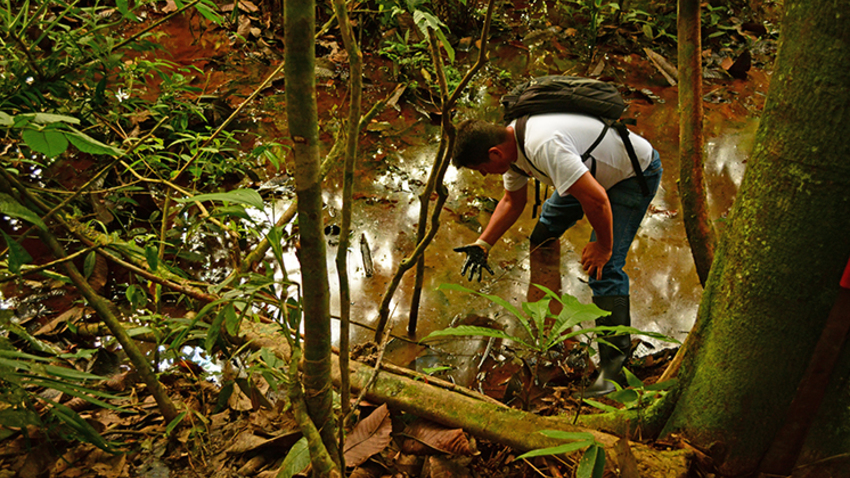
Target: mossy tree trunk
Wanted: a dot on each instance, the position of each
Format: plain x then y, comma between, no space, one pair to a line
776,271
302,116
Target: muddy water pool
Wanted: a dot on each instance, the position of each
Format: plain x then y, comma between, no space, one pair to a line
665,290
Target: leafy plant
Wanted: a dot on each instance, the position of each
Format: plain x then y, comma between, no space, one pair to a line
22,374
636,396
541,337
592,462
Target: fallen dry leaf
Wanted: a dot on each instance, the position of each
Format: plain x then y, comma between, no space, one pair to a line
370,436
423,437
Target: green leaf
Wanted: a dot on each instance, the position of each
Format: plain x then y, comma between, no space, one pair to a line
556,450
6,120
626,397
296,460
87,144
89,263
137,296
242,196
432,370
494,298
18,256
215,330
665,385
12,208
633,381
234,210
231,320
179,418
474,331
601,406
592,463
446,45
48,142
152,256
47,118
538,311
78,424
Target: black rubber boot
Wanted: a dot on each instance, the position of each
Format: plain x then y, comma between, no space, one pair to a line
611,360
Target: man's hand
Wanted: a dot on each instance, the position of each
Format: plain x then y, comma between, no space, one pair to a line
593,259
476,260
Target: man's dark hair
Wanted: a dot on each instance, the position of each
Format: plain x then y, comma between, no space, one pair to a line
474,140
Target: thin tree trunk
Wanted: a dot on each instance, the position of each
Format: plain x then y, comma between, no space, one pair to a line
698,225
302,117
441,163
775,274
355,61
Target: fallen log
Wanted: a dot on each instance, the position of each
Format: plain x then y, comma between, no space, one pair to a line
498,424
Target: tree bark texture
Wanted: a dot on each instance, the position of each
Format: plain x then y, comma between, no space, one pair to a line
698,225
775,275
302,117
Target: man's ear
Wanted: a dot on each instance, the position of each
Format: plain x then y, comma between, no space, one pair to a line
495,153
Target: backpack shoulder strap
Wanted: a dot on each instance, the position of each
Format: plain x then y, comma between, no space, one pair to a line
519,130
519,133
624,134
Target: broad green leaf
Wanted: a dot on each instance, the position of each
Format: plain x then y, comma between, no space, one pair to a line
18,256
626,397
12,208
152,256
234,210
87,144
82,427
446,45
241,196
632,379
538,311
296,460
89,264
592,463
474,331
6,120
48,142
556,450
231,319
47,118
495,299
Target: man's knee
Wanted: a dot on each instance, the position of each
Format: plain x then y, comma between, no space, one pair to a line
542,235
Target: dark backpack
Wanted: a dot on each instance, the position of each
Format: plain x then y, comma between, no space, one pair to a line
570,94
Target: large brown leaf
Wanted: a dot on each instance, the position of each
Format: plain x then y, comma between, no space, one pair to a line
423,437
369,437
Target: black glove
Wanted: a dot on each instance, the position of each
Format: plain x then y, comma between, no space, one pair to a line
476,261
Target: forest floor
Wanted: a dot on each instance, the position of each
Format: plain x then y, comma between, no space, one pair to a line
249,431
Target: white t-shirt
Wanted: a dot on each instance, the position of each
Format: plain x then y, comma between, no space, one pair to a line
555,143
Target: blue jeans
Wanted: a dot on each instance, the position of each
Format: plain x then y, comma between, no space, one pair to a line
628,207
